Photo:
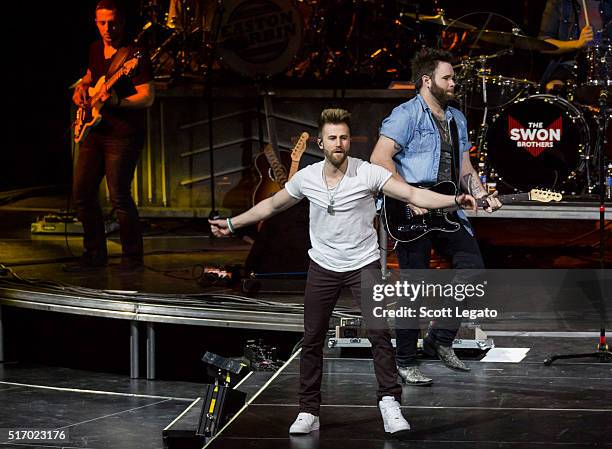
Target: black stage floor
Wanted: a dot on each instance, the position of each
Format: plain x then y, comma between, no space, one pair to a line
97,410
496,405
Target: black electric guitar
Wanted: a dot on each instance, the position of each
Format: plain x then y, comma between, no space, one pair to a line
404,225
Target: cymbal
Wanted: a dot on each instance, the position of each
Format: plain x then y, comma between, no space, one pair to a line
440,20
514,40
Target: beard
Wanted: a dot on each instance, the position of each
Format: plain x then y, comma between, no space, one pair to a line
441,95
336,159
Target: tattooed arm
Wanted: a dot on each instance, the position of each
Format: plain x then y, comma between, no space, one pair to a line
470,182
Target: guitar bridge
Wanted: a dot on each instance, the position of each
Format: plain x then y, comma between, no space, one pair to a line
408,212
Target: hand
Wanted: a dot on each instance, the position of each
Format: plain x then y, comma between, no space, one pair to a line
466,201
586,36
554,86
111,97
493,202
79,97
219,228
114,100
417,210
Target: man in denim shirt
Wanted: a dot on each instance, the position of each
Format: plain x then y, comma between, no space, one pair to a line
415,144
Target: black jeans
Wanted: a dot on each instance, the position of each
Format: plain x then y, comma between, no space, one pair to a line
323,288
115,158
463,250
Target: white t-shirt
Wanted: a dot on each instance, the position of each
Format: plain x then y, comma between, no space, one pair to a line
347,240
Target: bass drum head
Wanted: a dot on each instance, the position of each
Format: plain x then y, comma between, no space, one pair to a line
537,142
259,38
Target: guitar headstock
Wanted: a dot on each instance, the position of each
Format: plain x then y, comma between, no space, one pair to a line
544,196
131,64
299,147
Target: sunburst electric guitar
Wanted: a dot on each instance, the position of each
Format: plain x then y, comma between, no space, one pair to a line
89,115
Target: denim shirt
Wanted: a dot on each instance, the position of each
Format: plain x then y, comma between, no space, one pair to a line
559,19
412,126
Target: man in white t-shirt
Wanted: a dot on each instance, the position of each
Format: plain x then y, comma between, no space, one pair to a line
341,192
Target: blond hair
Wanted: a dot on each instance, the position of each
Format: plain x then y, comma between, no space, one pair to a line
335,116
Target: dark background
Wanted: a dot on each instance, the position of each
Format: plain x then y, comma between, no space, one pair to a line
46,51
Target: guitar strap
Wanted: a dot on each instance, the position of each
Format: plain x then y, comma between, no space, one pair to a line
456,153
118,60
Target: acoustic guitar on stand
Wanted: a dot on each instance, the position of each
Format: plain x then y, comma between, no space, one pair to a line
273,172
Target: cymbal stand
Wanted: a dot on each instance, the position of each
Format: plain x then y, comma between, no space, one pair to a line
178,44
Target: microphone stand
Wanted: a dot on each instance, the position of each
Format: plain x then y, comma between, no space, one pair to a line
602,354
208,94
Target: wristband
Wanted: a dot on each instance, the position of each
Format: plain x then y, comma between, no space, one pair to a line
457,202
230,226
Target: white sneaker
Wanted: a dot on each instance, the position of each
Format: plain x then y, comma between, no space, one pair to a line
304,423
392,415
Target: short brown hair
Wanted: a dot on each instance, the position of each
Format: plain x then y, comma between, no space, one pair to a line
426,61
112,5
335,116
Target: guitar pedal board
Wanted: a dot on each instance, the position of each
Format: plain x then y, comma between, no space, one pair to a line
64,223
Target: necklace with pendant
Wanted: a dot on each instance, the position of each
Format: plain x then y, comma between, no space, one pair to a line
330,197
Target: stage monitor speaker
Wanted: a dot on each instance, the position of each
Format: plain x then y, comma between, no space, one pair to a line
220,404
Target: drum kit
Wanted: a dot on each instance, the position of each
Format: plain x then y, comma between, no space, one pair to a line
526,136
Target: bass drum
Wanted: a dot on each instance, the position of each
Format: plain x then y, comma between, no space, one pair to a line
539,141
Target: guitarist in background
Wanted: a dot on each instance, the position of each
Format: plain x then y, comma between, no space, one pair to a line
425,141
113,147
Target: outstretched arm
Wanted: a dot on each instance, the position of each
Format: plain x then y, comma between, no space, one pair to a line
261,211
426,198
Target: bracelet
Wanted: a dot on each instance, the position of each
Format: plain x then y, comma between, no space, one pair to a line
456,202
230,226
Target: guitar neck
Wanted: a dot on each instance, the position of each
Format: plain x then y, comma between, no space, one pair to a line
295,165
280,175
108,85
504,199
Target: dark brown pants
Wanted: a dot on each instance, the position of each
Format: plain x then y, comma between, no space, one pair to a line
116,158
323,288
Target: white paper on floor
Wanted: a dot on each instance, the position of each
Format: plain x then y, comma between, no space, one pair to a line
511,355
